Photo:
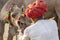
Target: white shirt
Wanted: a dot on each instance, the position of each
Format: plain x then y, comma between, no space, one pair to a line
41,30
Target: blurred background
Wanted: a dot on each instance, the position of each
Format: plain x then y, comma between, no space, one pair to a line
2,2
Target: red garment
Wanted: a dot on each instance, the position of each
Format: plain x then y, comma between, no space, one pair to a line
36,9
8,18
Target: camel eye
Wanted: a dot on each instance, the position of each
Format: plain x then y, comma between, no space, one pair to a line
14,15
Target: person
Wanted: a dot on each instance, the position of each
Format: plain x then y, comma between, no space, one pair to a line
40,29
53,10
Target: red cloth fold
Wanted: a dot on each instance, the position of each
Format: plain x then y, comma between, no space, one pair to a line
36,9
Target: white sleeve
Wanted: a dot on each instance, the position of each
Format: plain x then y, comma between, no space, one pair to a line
25,35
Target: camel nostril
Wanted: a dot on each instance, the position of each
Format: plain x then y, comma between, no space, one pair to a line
21,23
